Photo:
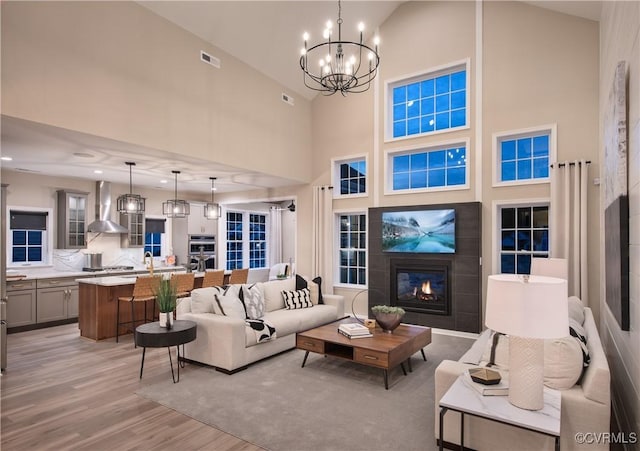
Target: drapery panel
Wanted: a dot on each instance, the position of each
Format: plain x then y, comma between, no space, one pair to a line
322,237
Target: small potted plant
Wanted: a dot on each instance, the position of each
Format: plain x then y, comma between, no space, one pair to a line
387,316
166,298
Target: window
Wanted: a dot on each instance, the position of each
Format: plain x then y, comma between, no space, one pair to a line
351,176
234,240
524,156
352,253
428,103
524,233
257,241
154,230
28,238
435,168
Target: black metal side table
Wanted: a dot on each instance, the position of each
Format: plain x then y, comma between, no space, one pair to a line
151,335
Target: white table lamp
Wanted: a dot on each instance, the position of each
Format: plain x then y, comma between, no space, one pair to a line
528,309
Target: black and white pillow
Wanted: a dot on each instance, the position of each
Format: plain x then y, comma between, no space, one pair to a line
253,300
230,306
314,287
577,331
262,330
297,299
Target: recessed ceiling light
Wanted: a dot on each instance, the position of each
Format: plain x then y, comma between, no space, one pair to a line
97,171
6,158
163,181
82,155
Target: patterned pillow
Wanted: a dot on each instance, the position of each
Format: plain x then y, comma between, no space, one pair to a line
253,301
230,306
297,299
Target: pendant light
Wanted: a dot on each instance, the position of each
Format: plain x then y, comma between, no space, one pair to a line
130,203
175,208
211,209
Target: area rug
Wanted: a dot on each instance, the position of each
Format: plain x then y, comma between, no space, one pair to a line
330,404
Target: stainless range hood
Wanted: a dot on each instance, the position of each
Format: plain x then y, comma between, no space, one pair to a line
103,223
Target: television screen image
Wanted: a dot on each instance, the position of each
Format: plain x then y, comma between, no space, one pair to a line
419,231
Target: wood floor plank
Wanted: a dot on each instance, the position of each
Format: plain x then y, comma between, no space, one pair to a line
61,391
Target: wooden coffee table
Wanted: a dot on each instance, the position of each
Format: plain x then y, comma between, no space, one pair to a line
383,350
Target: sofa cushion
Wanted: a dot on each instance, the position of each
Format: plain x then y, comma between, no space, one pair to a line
576,309
297,299
230,305
272,291
562,360
253,300
202,299
286,322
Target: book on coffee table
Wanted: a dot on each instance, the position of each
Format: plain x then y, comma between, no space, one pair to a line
346,334
354,329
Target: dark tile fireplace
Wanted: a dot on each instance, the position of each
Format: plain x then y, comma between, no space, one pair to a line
441,290
421,286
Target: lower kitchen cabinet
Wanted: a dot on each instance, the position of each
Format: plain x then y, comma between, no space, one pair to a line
57,299
21,303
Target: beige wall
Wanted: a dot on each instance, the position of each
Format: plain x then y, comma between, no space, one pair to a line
116,70
620,41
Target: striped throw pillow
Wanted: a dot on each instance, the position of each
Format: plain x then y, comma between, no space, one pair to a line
297,299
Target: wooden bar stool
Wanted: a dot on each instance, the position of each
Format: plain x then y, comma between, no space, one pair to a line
239,275
144,290
183,283
213,278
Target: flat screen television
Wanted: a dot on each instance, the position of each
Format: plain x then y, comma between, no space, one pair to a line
419,231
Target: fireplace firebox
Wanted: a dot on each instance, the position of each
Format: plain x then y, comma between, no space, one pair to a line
421,286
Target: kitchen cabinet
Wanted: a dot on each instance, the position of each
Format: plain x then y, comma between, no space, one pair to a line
134,222
197,224
72,219
57,299
21,303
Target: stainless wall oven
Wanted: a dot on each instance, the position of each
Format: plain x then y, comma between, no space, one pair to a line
202,252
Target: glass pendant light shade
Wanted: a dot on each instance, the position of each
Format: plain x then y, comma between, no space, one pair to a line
176,208
130,203
211,209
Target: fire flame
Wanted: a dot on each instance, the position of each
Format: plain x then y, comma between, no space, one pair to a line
426,287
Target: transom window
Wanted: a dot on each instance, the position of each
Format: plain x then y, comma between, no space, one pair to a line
27,238
429,168
352,253
524,156
428,103
257,241
234,240
350,176
524,233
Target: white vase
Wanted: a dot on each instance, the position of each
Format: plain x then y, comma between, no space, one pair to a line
166,319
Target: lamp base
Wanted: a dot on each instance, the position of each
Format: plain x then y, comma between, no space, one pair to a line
526,372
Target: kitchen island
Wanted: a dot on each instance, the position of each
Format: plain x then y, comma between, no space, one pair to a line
98,303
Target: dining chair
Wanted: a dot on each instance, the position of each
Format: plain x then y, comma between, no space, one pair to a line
143,291
184,283
239,275
213,278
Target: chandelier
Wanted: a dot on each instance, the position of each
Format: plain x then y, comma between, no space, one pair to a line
344,66
175,208
211,209
130,203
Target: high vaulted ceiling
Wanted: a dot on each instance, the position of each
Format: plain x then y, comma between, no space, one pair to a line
266,35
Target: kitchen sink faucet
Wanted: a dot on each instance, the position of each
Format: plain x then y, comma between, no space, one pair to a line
150,264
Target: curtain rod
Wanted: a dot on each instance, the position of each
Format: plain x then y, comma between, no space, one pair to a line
326,187
571,163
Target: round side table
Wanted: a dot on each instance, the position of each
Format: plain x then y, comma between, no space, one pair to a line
151,335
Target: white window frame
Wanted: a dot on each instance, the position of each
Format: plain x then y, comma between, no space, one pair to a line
498,137
336,179
222,242
496,207
47,238
336,266
388,166
410,78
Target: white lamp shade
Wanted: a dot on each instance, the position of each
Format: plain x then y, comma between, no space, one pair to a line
534,309
550,267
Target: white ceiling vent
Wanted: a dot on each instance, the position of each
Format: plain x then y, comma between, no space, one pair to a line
205,57
287,99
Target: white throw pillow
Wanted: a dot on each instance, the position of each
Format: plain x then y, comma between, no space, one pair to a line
230,306
202,300
272,291
253,300
297,299
576,309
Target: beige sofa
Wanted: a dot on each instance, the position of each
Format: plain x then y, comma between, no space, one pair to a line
585,407
229,345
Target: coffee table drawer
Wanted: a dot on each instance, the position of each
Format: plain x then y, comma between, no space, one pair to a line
310,344
373,358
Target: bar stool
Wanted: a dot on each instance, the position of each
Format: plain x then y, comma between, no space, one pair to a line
239,275
144,290
183,283
213,278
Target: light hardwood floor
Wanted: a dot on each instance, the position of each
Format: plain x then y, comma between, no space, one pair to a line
61,391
